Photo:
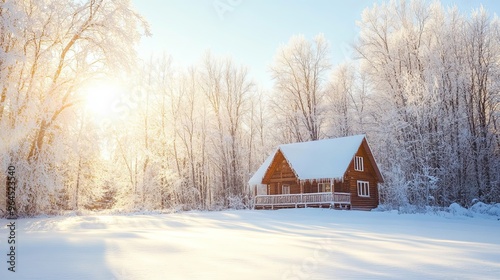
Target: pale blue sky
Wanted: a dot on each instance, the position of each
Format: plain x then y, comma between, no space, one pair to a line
251,30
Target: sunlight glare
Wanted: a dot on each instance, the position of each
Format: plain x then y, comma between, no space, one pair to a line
101,97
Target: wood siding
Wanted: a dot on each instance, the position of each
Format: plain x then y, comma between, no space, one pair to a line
368,174
280,173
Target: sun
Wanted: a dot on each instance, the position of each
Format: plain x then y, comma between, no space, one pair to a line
100,98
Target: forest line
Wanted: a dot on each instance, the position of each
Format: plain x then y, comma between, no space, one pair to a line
423,85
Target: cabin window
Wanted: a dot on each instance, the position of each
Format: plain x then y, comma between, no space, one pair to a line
324,187
285,189
363,189
358,164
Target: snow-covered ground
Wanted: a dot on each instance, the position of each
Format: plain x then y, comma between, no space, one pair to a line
283,244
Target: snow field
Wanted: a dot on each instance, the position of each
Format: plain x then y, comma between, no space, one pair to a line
282,244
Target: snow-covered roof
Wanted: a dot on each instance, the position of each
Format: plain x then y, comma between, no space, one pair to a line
259,174
321,159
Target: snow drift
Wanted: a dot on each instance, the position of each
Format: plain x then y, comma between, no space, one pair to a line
283,244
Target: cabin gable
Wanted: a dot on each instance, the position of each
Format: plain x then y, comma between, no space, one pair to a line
361,179
280,173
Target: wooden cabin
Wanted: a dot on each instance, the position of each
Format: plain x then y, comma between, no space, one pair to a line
335,173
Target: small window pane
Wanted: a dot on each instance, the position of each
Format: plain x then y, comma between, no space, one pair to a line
358,164
363,189
285,189
324,187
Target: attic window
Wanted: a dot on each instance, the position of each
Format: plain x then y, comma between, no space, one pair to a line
358,164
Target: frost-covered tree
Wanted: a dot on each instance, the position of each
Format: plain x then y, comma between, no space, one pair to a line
193,135
58,46
227,88
433,73
298,72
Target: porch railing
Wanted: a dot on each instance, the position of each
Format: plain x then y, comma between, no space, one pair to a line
303,199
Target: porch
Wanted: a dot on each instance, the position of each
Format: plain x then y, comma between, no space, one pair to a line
321,199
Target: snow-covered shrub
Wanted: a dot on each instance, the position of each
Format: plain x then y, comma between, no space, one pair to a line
486,209
478,209
237,202
458,210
